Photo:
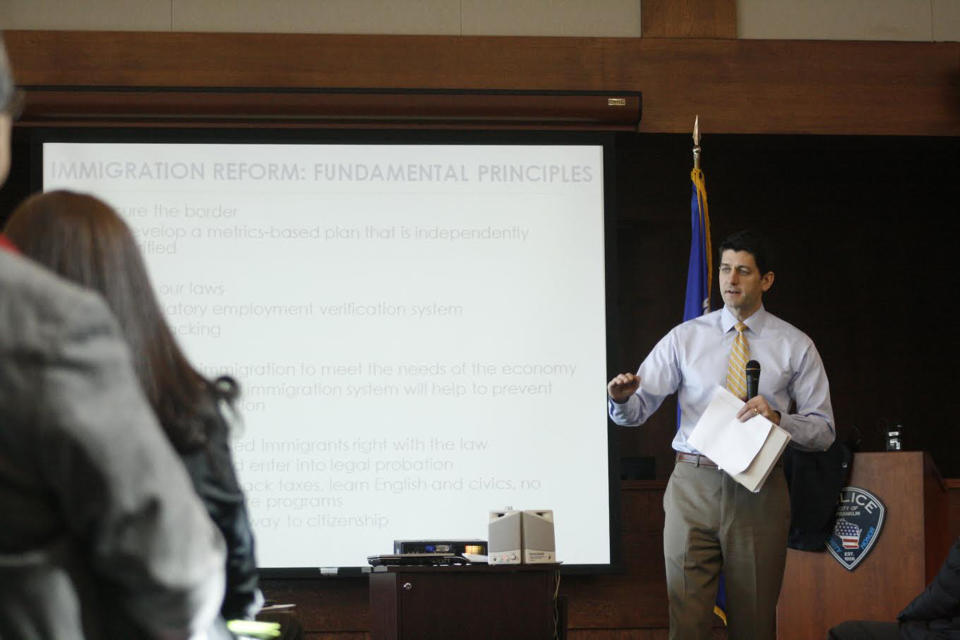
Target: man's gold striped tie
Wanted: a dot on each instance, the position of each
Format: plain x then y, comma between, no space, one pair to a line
736,368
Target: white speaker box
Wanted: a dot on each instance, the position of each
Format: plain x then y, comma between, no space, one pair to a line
505,537
539,543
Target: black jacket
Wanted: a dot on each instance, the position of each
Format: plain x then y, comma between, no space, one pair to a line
814,479
935,613
215,481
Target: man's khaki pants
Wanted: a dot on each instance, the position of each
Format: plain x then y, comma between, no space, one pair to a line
714,523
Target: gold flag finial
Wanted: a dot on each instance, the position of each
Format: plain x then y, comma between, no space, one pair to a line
696,143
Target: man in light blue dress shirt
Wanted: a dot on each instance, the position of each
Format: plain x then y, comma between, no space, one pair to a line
712,522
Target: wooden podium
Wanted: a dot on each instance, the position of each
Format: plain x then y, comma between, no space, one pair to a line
476,602
818,592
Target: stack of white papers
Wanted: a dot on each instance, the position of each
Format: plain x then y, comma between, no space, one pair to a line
747,450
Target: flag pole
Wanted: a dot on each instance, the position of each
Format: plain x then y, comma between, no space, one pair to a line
700,197
701,248
696,143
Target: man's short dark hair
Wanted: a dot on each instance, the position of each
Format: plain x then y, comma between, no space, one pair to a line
753,243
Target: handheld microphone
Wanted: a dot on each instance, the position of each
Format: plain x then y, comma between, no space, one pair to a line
753,378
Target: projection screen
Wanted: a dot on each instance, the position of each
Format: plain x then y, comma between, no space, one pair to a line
419,330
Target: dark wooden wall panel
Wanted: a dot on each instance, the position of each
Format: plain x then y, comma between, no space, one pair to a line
737,86
596,601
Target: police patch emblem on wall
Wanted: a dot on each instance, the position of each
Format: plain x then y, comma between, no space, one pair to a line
859,519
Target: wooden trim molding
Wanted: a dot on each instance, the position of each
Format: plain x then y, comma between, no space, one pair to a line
82,106
736,86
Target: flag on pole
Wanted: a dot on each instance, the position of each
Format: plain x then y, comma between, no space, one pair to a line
699,269
700,283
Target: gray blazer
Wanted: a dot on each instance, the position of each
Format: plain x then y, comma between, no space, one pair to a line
101,533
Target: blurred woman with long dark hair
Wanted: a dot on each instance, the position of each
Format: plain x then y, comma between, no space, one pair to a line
84,240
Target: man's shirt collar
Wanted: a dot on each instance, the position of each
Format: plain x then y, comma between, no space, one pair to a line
755,322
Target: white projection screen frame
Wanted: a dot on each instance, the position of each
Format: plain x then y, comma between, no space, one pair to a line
419,329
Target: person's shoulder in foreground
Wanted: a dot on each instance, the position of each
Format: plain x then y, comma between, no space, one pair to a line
935,613
101,524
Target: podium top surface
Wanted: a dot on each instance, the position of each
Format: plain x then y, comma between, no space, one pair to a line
468,568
